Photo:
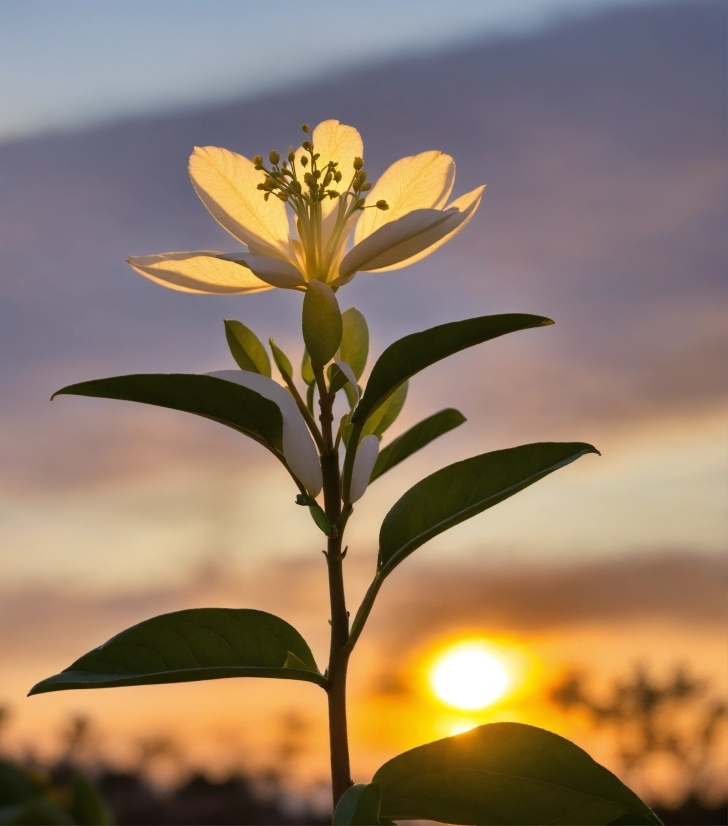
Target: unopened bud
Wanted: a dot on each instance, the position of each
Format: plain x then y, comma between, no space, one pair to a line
366,187
358,163
304,160
382,205
273,157
306,128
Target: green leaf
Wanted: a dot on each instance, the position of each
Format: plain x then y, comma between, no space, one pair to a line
504,773
457,492
401,360
306,369
246,348
310,398
351,394
337,378
358,805
354,340
222,401
317,513
283,363
36,812
322,325
196,644
416,438
87,806
386,414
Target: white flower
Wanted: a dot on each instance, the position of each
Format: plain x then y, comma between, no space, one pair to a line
298,446
296,216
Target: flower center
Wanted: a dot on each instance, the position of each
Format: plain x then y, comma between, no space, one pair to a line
307,185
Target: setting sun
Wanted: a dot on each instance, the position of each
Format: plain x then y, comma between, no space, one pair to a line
469,676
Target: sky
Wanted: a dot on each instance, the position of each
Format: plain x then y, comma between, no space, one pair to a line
65,64
602,140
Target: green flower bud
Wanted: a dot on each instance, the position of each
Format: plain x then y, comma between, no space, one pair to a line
258,161
273,157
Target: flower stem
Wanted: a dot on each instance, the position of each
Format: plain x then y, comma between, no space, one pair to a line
339,651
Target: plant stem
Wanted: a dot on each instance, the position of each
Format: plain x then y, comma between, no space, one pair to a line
339,652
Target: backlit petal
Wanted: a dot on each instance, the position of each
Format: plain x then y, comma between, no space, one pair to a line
335,141
273,271
226,183
466,205
201,271
421,181
397,240
298,446
366,458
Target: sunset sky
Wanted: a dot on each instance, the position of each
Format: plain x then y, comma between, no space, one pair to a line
601,136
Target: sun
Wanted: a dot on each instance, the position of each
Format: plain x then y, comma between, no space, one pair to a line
469,676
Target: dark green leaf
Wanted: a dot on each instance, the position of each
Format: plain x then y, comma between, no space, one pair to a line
222,401
246,348
337,378
358,805
322,325
87,805
386,414
416,438
355,340
283,363
197,644
504,773
306,369
464,489
34,813
413,353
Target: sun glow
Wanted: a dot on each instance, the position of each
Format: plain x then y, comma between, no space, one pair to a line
469,676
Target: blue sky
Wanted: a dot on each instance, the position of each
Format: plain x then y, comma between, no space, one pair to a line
67,63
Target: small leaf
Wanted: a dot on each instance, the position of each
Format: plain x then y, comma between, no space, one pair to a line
504,773
225,402
283,363
354,340
386,414
306,369
196,644
416,438
87,806
401,360
461,490
322,325
358,805
246,348
317,512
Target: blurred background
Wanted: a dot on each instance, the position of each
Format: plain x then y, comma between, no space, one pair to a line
599,594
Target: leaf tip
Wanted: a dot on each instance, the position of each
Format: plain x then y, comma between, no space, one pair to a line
547,322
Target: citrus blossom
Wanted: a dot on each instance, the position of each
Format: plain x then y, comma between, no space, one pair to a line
296,215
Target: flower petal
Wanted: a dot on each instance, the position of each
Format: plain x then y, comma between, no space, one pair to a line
397,240
200,271
421,181
366,458
335,141
273,271
466,205
298,446
227,185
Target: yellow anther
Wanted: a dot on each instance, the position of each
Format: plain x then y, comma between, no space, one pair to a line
306,128
304,160
307,145
358,163
366,187
273,157
382,205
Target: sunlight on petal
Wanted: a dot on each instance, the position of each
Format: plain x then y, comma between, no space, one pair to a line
467,206
421,181
201,271
226,184
399,240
